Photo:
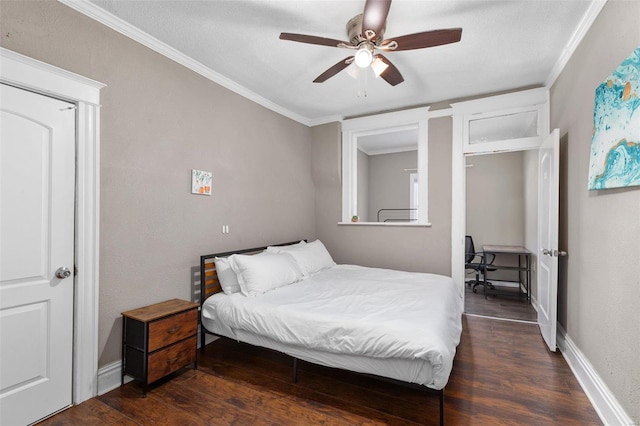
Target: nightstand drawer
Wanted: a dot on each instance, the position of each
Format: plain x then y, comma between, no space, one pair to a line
158,340
171,359
172,329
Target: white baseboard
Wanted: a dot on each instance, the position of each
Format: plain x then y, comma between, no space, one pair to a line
603,401
534,302
109,377
499,283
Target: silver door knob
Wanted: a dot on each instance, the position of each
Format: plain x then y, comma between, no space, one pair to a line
554,253
63,272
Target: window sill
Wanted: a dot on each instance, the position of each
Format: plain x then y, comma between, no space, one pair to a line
396,224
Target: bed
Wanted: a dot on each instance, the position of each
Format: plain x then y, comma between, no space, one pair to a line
294,299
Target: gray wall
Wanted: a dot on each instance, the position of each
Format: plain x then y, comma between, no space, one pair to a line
409,248
160,120
496,199
495,203
599,289
389,184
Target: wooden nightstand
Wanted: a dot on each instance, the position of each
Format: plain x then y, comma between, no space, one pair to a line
158,340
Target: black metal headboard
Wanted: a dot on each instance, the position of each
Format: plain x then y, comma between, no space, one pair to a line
209,282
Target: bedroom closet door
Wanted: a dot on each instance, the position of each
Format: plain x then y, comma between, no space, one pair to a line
37,195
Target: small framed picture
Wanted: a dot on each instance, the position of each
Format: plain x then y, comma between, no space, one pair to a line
200,182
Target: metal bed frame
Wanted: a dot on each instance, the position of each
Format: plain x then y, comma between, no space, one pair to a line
210,285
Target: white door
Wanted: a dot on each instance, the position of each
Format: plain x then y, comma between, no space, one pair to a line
37,180
548,195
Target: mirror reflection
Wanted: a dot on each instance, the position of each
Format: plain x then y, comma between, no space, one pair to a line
384,160
387,176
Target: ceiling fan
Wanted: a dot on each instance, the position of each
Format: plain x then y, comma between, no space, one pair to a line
366,37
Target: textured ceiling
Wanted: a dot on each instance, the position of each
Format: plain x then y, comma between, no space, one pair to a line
505,45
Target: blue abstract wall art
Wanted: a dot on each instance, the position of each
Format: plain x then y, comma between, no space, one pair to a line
615,146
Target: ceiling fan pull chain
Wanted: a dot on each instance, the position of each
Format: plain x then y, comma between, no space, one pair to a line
363,80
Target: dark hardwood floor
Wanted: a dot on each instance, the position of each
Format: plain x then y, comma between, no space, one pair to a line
497,306
502,375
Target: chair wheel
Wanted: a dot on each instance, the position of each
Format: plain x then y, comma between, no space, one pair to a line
474,290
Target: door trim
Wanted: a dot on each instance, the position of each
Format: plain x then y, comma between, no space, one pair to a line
27,73
458,161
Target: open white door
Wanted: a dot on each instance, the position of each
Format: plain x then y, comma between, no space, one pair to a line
548,199
37,182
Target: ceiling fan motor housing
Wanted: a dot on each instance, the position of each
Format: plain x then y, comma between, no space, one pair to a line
354,31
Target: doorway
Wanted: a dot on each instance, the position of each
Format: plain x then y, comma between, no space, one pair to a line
517,121
501,199
23,72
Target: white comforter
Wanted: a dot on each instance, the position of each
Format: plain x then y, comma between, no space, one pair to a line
361,311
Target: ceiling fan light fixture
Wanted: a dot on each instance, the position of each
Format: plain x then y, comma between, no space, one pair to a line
353,71
364,56
378,66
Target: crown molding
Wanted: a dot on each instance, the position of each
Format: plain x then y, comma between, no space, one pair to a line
325,120
581,30
100,15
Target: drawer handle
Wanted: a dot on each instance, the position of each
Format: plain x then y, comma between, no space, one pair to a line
173,330
172,360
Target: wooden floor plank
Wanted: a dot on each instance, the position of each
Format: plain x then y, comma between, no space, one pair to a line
282,408
503,374
150,410
497,306
91,412
267,375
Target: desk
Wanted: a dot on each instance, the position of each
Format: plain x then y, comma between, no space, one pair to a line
523,268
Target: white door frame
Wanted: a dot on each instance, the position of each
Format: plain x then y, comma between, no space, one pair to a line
30,74
458,160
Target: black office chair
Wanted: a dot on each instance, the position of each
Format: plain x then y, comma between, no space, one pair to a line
480,267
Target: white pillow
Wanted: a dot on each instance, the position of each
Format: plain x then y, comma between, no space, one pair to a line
226,275
278,249
263,272
311,257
